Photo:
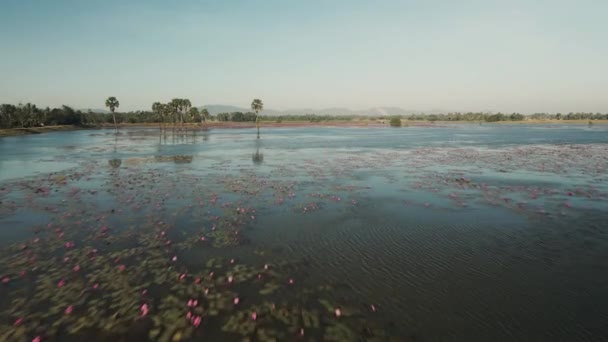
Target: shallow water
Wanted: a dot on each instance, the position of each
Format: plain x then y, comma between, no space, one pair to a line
463,232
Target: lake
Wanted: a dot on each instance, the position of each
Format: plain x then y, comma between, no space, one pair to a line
456,232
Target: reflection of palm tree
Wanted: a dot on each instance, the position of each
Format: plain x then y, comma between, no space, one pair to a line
115,143
257,158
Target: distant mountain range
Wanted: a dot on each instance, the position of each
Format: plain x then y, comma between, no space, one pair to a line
375,111
94,110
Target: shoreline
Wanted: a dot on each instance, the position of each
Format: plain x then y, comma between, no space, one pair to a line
15,132
9,132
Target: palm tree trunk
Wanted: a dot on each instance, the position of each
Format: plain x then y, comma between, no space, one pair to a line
257,123
115,125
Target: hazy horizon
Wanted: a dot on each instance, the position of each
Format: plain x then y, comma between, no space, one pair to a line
417,55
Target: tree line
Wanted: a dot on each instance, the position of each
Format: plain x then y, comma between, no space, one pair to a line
491,117
180,111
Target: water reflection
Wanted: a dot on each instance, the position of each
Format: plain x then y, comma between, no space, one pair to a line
257,158
189,137
177,159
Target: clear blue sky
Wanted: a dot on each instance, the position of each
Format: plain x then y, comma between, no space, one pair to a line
516,55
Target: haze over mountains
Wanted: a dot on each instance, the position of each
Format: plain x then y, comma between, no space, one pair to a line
215,109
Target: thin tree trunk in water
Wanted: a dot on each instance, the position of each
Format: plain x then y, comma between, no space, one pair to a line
257,123
114,118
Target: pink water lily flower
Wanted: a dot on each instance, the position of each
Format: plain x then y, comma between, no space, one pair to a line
254,316
76,268
174,259
69,310
196,321
229,279
61,283
18,321
144,309
236,300
338,312
37,339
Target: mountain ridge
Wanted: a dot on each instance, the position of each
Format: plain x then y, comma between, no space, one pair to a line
214,109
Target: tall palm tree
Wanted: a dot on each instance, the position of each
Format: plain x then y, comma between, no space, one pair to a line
186,105
175,105
167,111
257,106
205,116
157,109
113,103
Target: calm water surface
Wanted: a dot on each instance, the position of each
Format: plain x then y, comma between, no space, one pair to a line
465,232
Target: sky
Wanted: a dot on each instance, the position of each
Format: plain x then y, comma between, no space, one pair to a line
487,55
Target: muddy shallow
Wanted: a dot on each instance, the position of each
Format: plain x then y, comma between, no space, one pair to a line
462,232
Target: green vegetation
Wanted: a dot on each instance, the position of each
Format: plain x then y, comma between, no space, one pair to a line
29,115
395,122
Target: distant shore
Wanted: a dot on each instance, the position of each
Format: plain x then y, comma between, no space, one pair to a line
337,123
9,132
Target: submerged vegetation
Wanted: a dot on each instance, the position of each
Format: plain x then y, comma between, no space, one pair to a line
263,240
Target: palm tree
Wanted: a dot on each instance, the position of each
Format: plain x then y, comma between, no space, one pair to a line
175,106
186,105
205,116
257,105
194,114
157,109
167,111
113,103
